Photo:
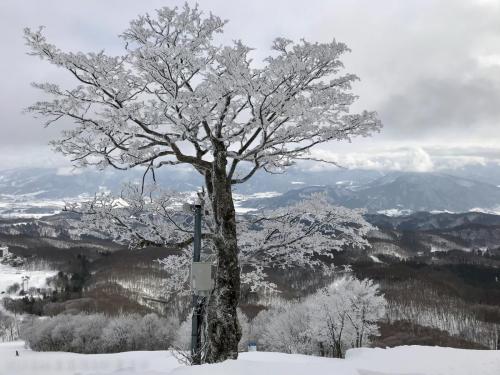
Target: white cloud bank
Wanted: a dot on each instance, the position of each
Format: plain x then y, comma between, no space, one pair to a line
411,159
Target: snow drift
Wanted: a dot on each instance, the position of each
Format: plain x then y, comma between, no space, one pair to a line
404,360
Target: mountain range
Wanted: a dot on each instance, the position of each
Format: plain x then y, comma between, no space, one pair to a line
31,192
400,192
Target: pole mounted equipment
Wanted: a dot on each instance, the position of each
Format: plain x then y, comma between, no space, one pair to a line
201,284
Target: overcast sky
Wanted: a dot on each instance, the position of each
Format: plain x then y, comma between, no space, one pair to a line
431,69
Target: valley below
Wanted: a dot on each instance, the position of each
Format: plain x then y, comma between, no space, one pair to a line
439,272
434,250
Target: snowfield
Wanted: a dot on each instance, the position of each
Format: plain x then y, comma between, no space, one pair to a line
31,363
31,206
10,275
404,360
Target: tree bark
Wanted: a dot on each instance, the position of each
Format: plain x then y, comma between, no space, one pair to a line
222,329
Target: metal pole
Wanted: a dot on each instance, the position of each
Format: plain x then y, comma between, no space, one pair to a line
197,300
197,233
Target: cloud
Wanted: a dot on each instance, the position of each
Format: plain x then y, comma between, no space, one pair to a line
407,159
430,68
30,156
68,171
415,159
445,109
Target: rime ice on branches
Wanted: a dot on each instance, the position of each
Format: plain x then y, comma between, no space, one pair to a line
175,97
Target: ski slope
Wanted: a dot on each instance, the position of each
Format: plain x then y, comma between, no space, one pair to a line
10,275
404,360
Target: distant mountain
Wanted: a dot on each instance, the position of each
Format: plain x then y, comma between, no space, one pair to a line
487,172
52,183
425,192
38,192
402,191
424,235
426,221
32,192
59,183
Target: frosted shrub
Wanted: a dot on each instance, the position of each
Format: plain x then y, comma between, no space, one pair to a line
88,333
96,333
245,331
286,327
153,332
118,336
182,338
39,336
63,333
8,327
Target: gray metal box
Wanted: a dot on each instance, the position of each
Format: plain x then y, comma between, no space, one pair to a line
201,277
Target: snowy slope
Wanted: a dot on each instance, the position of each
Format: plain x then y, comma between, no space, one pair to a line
406,360
10,275
31,363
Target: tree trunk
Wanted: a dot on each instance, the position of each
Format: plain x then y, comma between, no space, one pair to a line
222,330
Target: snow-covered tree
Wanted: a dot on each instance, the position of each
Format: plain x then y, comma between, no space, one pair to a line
175,97
182,338
346,314
343,315
286,327
8,327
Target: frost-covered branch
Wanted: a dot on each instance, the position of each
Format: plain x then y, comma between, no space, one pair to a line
305,234
174,96
138,218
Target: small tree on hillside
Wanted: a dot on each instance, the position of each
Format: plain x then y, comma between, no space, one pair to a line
175,97
341,316
346,314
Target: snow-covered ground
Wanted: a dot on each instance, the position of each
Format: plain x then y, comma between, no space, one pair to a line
10,275
240,198
31,363
405,360
31,206
395,212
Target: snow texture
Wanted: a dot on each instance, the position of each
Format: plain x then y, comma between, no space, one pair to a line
405,360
